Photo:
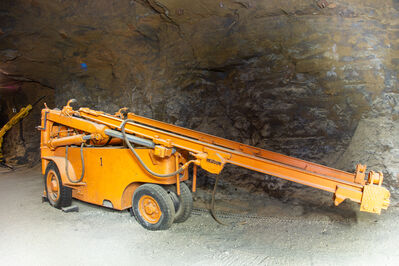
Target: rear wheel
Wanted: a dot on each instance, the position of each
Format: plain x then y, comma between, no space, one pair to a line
57,194
183,204
152,207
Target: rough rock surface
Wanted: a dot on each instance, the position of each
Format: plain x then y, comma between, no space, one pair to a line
287,76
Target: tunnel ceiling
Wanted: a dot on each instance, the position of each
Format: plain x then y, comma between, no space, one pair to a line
294,77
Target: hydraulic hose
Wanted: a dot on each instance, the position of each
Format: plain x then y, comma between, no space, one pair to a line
171,174
178,171
83,164
213,202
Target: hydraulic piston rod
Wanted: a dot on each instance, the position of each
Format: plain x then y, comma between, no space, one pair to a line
136,140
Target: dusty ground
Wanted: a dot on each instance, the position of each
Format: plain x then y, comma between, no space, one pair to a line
34,233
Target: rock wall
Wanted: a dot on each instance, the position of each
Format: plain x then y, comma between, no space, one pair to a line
290,76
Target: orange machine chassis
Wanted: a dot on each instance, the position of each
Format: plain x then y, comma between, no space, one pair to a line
111,173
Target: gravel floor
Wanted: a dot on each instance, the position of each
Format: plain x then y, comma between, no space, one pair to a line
33,233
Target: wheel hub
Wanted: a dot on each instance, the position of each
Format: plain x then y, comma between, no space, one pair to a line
149,209
52,186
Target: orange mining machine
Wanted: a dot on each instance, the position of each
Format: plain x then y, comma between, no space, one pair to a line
125,161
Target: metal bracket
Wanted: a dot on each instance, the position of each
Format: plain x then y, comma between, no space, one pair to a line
72,208
374,199
44,198
360,174
44,122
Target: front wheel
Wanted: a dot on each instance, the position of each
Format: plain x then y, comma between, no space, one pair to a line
153,207
58,195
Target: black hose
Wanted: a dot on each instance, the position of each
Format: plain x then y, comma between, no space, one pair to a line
138,157
212,209
66,164
171,174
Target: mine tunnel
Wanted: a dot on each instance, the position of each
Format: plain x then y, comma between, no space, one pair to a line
315,80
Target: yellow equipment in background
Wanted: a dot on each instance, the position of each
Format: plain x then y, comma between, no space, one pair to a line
13,121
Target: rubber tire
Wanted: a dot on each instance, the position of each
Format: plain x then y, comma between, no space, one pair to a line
164,202
65,198
185,204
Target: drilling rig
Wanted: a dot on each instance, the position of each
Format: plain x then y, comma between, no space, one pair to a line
125,161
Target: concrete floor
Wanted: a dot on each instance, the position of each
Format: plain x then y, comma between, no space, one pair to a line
33,233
